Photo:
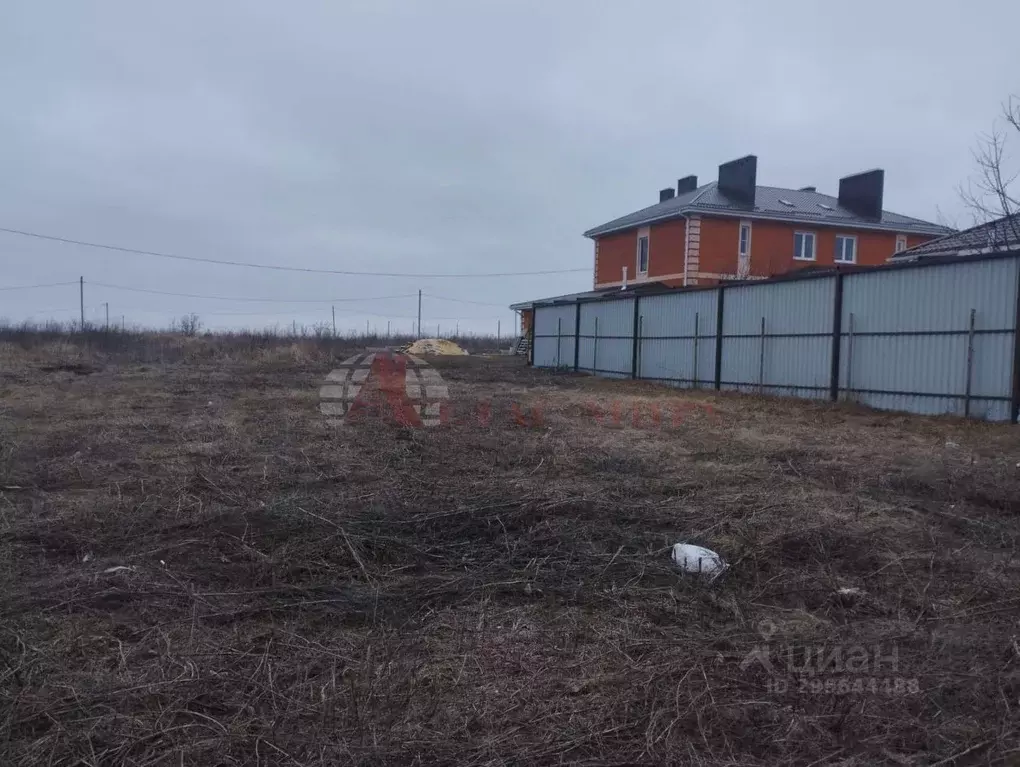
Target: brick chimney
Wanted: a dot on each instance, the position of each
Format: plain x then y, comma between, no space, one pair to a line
737,179
862,193
686,184
666,194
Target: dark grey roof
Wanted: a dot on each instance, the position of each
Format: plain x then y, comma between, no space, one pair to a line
635,288
999,235
805,207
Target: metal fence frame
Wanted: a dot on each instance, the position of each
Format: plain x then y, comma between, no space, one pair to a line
839,332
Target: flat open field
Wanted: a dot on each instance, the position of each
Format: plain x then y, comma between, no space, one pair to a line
197,568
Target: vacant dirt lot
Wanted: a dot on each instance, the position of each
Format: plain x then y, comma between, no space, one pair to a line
197,568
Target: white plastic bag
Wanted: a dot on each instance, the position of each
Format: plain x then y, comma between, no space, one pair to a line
700,561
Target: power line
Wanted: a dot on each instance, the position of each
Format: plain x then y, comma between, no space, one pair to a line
294,313
250,265
258,300
460,300
47,285
299,315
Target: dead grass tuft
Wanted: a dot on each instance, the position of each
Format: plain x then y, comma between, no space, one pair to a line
196,568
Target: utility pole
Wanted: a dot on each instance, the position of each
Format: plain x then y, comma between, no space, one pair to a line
456,333
366,329
387,329
419,313
81,300
334,321
498,323
123,325
107,304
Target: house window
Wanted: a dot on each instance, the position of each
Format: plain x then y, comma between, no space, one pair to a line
846,249
745,239
642,255
804,246
901,243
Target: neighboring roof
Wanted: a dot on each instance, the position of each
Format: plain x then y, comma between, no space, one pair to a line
999,235
805,207
636,288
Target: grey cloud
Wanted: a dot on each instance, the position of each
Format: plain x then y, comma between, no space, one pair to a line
448,136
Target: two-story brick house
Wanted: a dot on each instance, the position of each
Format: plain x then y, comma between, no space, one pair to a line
733,229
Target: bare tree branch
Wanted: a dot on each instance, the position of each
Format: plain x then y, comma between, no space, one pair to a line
993,192
942,219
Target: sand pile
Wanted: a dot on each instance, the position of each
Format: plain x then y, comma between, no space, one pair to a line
433,346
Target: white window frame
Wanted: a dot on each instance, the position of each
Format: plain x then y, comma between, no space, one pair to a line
648,252
842,251
901,243
814,246
741,251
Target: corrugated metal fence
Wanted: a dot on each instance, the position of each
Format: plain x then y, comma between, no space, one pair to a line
923,338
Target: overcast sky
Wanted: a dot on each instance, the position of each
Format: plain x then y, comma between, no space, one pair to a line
454,136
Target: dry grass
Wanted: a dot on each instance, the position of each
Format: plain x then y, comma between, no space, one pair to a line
287,592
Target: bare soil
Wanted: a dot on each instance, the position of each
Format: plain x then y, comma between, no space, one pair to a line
196,568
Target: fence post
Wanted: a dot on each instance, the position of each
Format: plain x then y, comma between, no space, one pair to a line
850,357
559,327
1015,394
719,336
837,338
531,336
641,352
595,350
761,359
577,336
970,365
694,375
636,341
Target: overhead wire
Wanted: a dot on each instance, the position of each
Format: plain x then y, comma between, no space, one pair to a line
459,300
274,267
45,285
257,300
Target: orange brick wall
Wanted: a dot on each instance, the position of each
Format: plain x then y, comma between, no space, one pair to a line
665,253
616,251
771,249
772,246
666,250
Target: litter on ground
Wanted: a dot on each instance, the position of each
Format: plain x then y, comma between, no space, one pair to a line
698,560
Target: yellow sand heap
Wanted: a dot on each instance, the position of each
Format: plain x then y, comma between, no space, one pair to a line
433,346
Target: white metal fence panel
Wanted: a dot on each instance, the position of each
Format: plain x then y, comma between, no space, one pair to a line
550,319
907,343
777,337
907,340
554,336
677,338
606,337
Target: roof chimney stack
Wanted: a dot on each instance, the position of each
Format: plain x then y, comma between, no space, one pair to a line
808,189
737,179
666,194
862,193
686,184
